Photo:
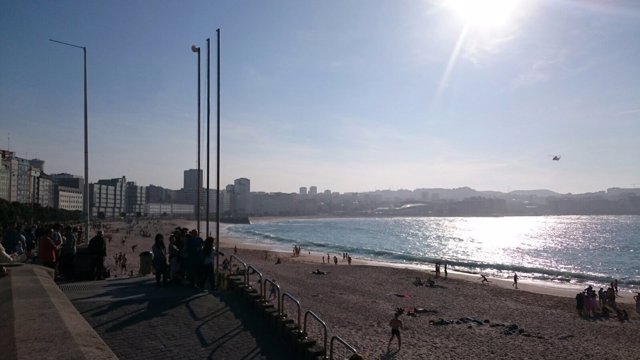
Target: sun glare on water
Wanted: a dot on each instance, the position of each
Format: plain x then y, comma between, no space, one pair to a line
483,13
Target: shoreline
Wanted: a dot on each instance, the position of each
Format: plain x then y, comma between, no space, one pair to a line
228,240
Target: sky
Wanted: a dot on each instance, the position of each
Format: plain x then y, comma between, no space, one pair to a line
350,95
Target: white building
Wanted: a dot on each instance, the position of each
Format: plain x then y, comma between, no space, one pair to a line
68,198
159,209
241,200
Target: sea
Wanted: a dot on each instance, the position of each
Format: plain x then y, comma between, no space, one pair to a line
558,250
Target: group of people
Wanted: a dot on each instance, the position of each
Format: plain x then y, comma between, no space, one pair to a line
51,245
187,257
438,267
345,256
120,260
590,303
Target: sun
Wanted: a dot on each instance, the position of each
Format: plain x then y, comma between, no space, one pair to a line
483,13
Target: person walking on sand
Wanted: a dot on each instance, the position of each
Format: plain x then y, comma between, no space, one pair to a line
396,326
515,280
637,299
484,279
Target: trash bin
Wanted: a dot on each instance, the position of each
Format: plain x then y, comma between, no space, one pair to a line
145,263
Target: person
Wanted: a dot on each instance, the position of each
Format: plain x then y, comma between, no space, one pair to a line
98,249
484,279
11,238
445,270
123,264
47,250
580,303
601,297
193,245
272,292
396,326
515,280
207,265
615,286
335,260
4,257
174,258
637,299
159,260
68,253
349,259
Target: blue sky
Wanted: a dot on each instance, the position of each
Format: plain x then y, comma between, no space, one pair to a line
343,95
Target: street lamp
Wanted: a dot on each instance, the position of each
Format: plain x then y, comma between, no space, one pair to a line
217,267
196,49
208,123
86,139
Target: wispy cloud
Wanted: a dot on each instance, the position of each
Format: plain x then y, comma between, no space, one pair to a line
541,69
628,112
478,47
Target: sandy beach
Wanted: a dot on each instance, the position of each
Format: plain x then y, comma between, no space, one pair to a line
462,318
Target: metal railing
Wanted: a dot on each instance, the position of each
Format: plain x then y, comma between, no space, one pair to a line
244,264
273,285
353,350
296,301
247,278
324,325
280,305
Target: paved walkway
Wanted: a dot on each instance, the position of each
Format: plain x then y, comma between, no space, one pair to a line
141,321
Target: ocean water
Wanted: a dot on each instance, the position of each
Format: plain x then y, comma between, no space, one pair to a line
563,250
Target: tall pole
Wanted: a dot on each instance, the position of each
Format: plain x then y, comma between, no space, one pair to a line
86,150
208,121
196,49
217,265
86,140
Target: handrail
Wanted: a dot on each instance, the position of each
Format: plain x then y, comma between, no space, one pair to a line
286,294
324,325
353,350
273,284
244,264
259,275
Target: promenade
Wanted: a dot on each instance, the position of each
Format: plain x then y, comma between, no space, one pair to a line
138,320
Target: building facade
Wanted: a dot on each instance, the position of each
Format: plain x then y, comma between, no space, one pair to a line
136,199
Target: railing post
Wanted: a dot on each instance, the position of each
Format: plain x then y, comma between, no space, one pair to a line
250,267
296,301
353,350
324,325
273,284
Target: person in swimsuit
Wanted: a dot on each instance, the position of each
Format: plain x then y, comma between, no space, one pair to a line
396,326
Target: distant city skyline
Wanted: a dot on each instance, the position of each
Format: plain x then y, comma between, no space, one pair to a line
349,96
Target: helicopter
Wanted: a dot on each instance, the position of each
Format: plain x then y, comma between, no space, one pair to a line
556,158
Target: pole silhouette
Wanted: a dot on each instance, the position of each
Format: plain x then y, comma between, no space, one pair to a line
196,49
217,265
208,123
86,140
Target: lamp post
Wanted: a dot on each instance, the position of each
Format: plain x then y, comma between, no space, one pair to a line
217,265
196,49
86,139
208,121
